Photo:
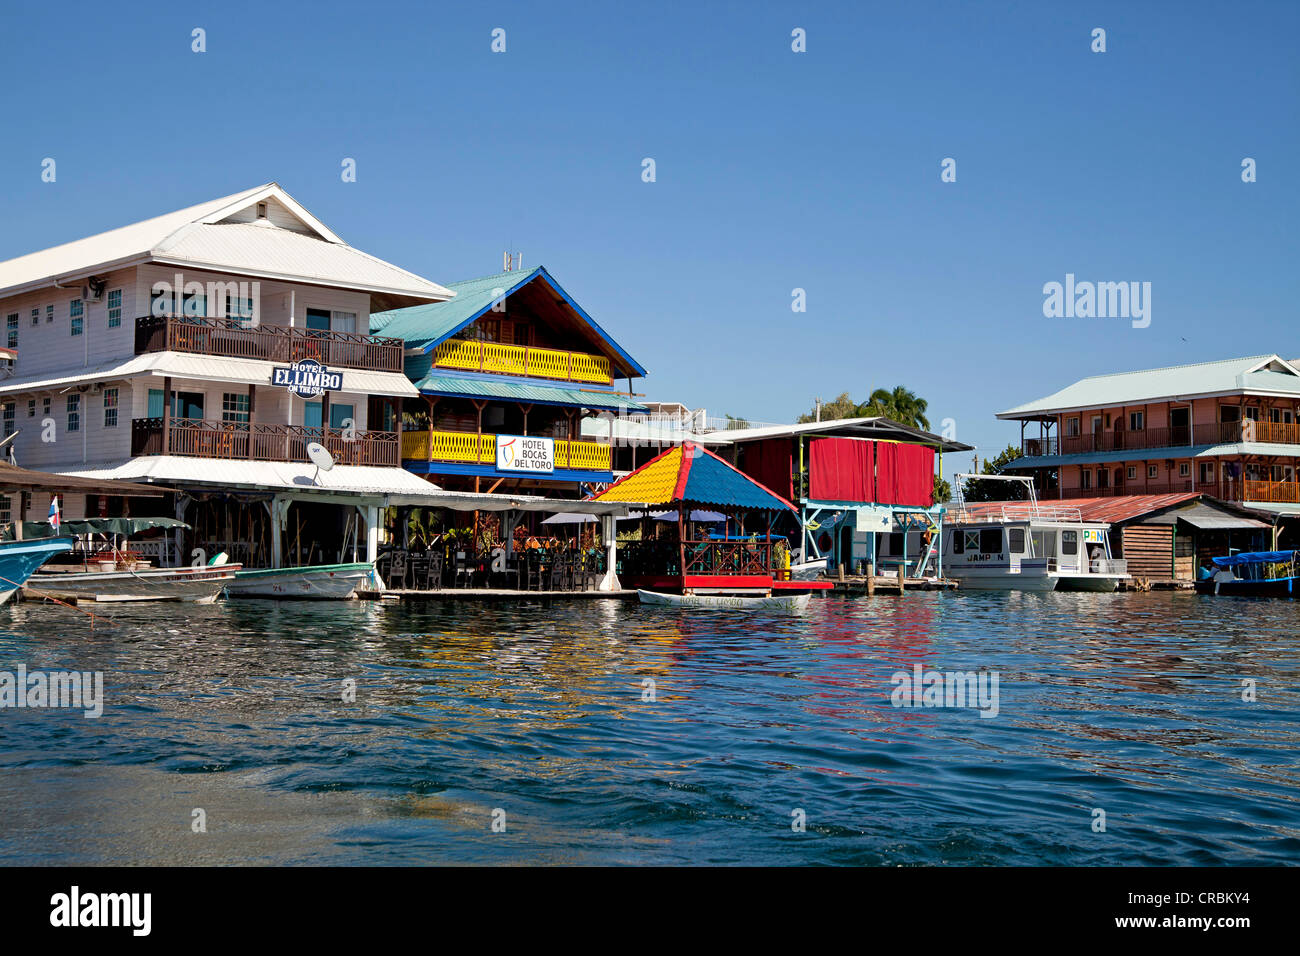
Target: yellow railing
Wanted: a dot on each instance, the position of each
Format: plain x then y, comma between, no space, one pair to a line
520,360
1275,492
473,449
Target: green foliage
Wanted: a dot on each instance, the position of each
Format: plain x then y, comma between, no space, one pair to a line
976,490
942,490
901,405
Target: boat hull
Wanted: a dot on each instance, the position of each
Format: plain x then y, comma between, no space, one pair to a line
1002,580
1097,583
1278,587
327,582
776,602
202,585
20,559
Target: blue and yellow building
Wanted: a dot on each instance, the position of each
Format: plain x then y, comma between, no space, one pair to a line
511,357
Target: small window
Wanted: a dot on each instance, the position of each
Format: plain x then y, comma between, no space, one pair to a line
1207,472
234,408
1069,542
36,316
1184,469
114,308
11,327
155,409
1136,421
239,308
1085,479
1072,427
77,311
1132,473
31,408
991,541
972,541
6,509
45,406
958,542
261,210
1016,540
10,410
110,408
74,413
49,314
1153,471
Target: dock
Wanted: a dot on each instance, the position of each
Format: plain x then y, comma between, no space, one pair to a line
870,584
492,594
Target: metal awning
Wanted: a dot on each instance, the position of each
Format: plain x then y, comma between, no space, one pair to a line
1209,518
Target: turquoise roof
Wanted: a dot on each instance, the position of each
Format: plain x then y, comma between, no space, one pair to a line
515,390
424,326
1257,373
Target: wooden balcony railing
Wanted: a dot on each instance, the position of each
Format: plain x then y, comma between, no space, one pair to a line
474,449
1272,492
1284,433
478,356
1245,490
271,343
198,438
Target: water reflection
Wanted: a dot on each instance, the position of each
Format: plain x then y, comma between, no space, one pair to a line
1127,701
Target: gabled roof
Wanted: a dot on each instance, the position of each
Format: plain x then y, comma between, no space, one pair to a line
692,474
1260,374
424,326
224,235
1112,509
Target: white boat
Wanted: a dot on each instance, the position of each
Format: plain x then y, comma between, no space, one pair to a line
337,582
808,570
1027,546
774,602
195,585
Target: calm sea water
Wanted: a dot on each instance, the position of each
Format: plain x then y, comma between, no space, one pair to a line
1130,703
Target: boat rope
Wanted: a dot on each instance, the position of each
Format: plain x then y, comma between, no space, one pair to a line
50,597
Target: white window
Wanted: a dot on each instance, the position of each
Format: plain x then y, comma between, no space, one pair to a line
36,316
110,408
74,413
77,312
114,308
11,327
1132,472
1184,469
49,314
1136,421
1085,478
1153,471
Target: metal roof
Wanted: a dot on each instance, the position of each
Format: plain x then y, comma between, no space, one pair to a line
1113,509
205,236
1209,517
516,391
876,427
424,326
1152,454
212,368
1268,374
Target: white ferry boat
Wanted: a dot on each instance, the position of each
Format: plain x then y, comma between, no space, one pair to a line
1027,546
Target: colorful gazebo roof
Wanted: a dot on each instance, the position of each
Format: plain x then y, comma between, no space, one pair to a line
693,474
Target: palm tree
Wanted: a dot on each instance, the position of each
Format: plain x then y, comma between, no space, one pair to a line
901,405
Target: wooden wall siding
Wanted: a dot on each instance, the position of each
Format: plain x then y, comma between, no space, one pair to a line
1149,550
50,347
277,213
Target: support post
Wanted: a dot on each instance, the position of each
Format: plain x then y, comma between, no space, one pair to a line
608,532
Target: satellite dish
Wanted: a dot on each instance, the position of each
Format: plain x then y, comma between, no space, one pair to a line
320,456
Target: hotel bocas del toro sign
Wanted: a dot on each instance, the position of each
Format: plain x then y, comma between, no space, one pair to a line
524,453
306,378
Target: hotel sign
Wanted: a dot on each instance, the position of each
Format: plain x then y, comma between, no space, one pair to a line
524,453
306,378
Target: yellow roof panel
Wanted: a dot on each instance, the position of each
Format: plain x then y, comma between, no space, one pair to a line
652,484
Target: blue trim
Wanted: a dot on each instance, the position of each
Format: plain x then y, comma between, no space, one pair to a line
489,471
517,380
559,290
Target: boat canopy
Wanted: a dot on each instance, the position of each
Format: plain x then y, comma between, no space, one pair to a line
693,474
128,526
1253,557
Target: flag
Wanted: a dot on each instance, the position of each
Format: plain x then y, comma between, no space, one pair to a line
54,512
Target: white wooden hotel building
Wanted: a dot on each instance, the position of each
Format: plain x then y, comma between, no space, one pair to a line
119,373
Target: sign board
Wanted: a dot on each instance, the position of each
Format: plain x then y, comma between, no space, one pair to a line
1094,536
306,378
525,453
872,518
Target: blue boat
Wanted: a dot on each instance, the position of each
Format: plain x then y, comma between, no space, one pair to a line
1254,573
19,559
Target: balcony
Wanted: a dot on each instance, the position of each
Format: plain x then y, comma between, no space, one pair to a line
268,343
473,356
198,438
1243,490
1154,438
473,449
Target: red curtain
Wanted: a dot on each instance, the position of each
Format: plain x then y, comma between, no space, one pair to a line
839,469
768,463
904,474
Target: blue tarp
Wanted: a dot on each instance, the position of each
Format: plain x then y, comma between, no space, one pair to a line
1253,557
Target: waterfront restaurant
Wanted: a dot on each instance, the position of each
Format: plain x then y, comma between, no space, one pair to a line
1229,429
203,350
506,373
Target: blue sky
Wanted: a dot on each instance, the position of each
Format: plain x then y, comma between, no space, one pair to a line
775,171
